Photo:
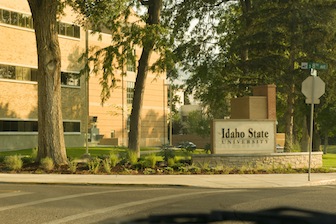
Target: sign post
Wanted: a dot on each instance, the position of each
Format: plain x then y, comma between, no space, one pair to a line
313,88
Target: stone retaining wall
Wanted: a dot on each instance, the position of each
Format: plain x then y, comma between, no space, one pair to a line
261,161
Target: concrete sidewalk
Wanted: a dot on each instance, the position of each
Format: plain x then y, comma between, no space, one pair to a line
208,181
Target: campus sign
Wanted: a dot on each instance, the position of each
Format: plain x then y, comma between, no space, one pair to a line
243,136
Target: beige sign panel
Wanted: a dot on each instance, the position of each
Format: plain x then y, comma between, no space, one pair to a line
243,136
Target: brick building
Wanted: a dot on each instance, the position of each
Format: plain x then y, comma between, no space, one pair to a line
107,124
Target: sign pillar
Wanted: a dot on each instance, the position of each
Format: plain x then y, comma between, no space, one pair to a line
311,122
312,87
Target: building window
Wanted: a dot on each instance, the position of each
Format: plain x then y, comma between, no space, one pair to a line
26,21
7,72
69,30
30,74
5,16
18,73
18,126
70,79
70,126
32,126
130,92
131,67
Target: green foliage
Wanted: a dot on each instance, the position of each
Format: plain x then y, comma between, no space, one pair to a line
296,147
13,162
73,166
107,165
114,159
194,169
171,162
168,170
167,152
207,148
33,154
178,127
47,164
198,123
149,171
94,165
151,160
235,45
132,157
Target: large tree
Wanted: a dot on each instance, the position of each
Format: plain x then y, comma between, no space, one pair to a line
153,19
146,32
256,42
50,123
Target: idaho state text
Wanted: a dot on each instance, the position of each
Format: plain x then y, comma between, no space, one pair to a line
251,133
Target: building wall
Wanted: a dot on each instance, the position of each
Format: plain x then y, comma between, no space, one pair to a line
249,107
19,98
114,113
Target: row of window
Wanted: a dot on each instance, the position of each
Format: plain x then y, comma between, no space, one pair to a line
18,73
32,126
130,92
30,74
26,21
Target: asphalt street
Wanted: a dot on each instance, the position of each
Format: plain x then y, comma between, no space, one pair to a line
63,203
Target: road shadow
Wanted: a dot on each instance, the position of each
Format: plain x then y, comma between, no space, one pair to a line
281,215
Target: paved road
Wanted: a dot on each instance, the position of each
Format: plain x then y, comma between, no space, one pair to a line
52,204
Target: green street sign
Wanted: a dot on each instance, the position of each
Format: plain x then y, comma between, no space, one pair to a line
314,65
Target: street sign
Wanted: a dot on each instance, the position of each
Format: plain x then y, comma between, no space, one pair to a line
314,65
313,87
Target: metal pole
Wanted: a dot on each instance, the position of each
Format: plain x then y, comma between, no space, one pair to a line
311,123
170,116
87,91
164,113
123,108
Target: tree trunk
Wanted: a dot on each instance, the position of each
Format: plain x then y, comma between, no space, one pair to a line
316,140
289,120
50,123
326,143
305,135
154,10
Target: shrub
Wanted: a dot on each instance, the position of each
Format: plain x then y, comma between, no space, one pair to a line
132,157
194,169
107,165
169,170
47,164
296,147
167,152
149,171
204,165
94,165
114,159
73,166
33,154
207,148
183,169
13,162
171,162
151,160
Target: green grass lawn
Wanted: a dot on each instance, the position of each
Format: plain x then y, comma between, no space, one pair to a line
329,161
